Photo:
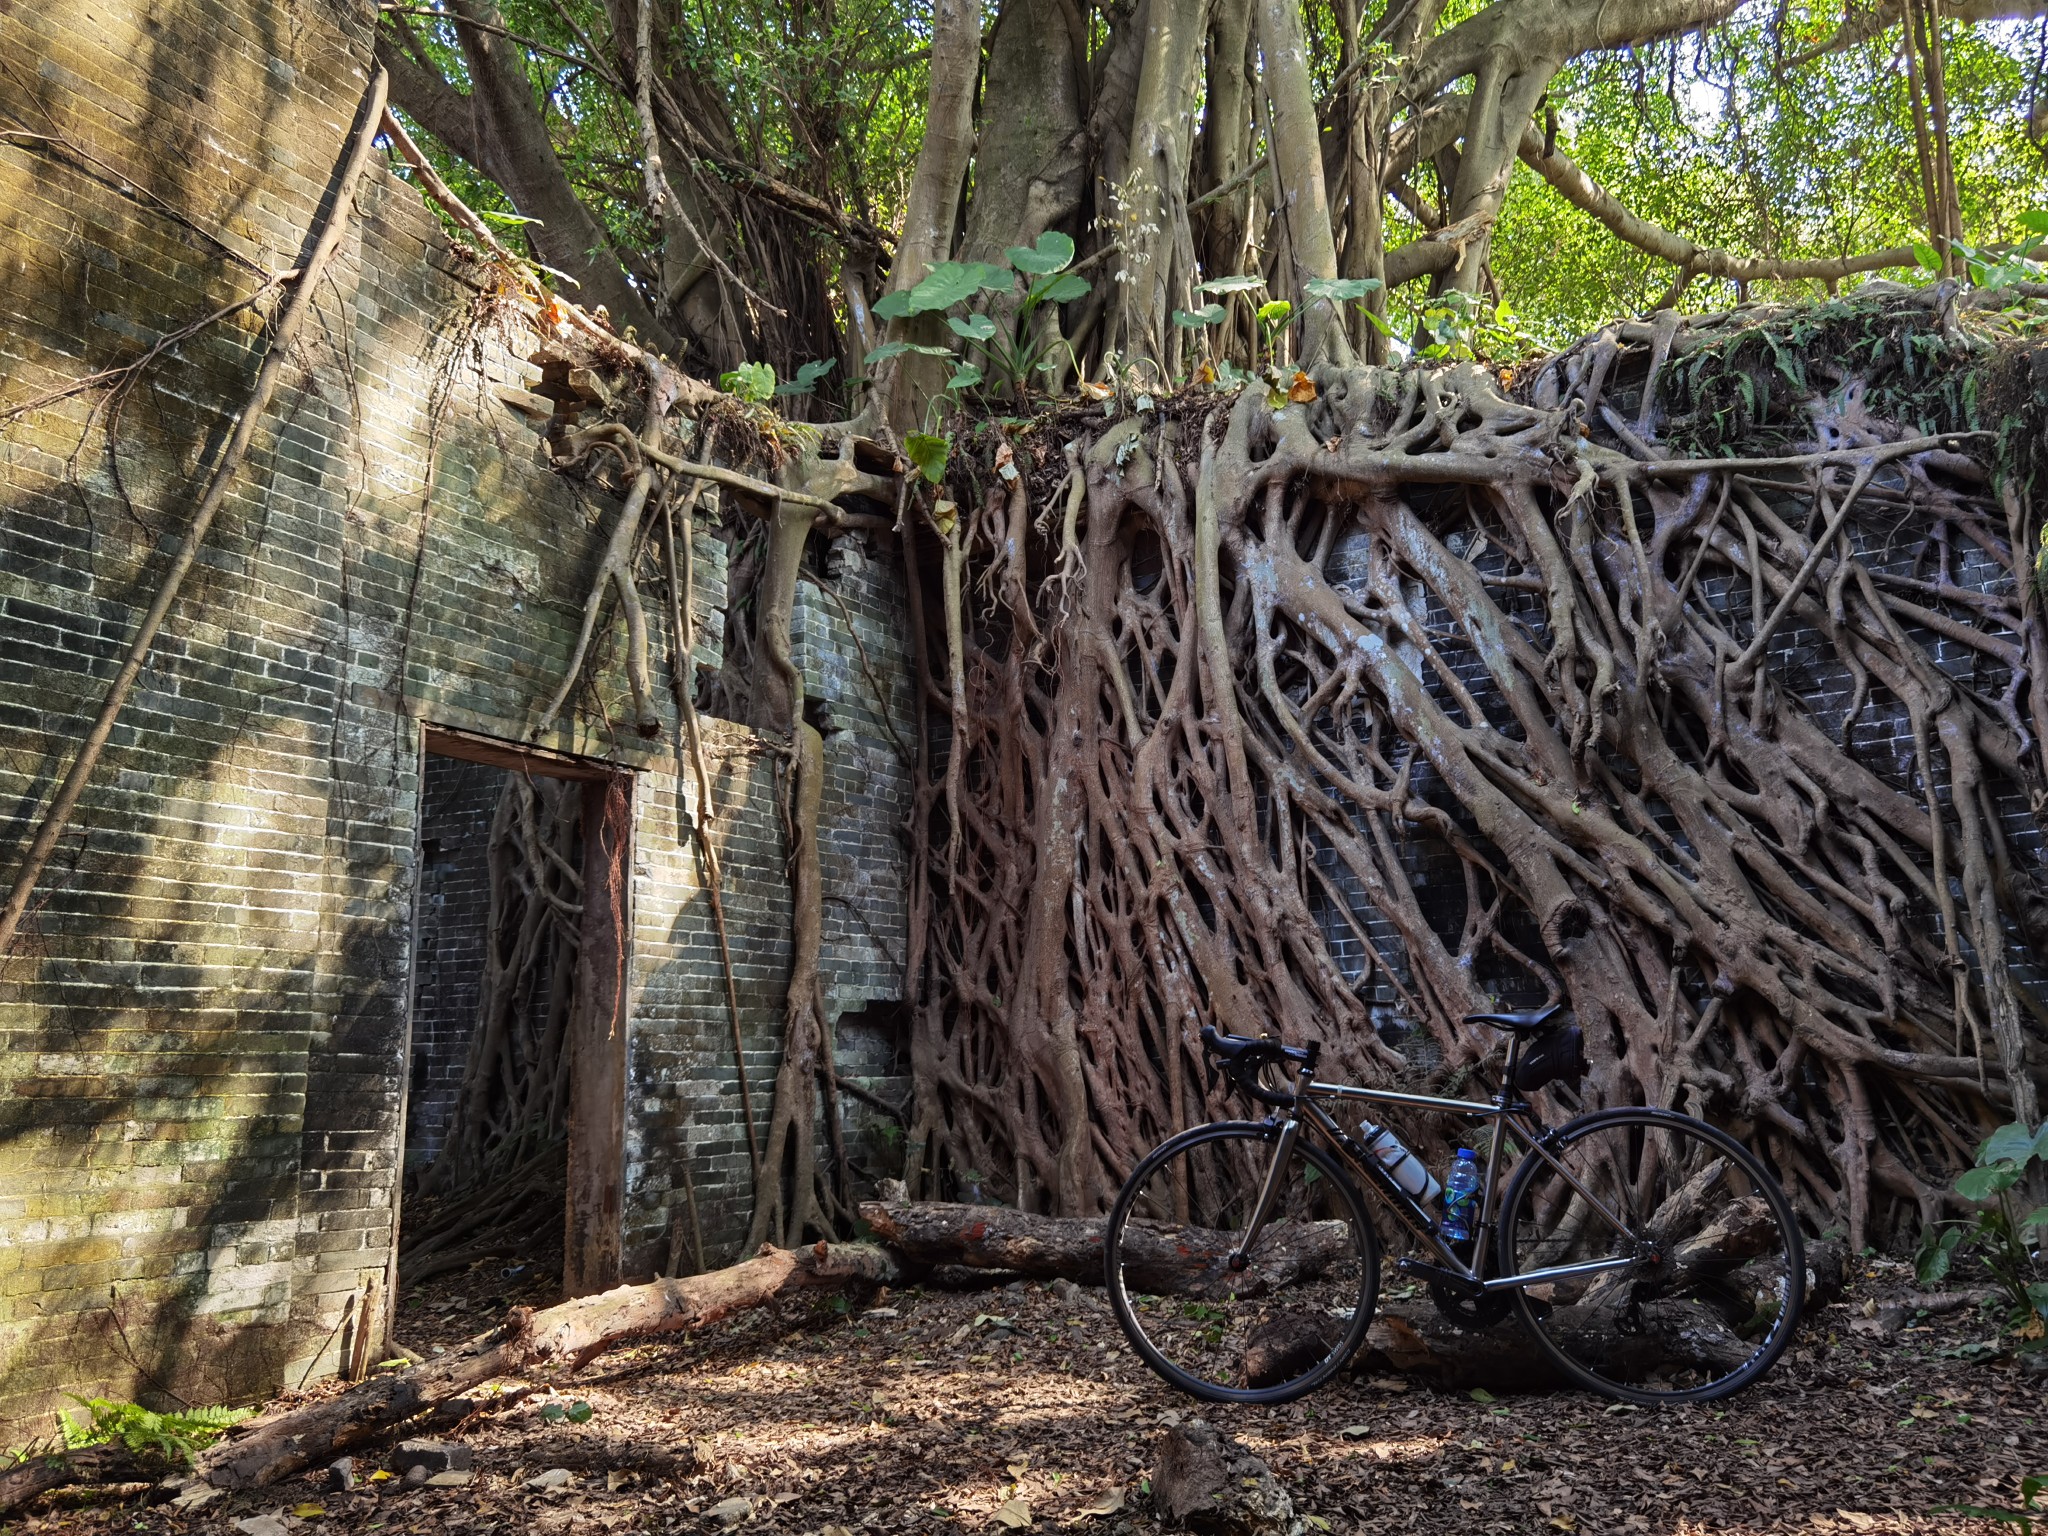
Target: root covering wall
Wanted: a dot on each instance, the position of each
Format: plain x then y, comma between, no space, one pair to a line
203,1022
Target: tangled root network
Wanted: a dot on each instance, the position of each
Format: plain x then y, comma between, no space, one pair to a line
1341,718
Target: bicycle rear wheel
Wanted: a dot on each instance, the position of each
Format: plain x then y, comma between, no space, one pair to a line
1284,1315
1713,1272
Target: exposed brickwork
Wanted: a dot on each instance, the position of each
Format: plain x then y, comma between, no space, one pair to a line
454,906
202,1026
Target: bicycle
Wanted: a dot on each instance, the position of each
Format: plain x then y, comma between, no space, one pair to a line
1649,1255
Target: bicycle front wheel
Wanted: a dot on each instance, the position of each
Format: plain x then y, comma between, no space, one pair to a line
1224,1313
1684,1270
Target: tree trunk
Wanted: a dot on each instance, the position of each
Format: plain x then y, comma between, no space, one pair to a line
931,212
1182,1260
1031,163
515,151
1297,157
1145,195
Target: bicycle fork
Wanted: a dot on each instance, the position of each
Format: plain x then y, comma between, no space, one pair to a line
1241,1256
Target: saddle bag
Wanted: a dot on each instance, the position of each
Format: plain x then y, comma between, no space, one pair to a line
1559,1055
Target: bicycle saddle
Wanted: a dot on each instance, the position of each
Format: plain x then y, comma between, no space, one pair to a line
1518,1023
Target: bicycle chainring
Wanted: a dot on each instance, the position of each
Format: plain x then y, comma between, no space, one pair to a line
1471,1313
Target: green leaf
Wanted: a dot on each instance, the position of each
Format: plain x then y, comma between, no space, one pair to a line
1983,1183
580,1412
1241,283
1063,289
510,220
949,283
889,349
973,327
1275,312
894,306
1937,1253
1195,319
2012,1143
2035,221
2035,1220
1340,289
2037,1293
1927,255
807,377
929,454
1481,1395
1053,253
754,382
966,376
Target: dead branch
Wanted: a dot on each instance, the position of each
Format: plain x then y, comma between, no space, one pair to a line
266,1450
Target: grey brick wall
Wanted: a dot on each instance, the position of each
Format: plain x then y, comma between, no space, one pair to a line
202,1025
459,801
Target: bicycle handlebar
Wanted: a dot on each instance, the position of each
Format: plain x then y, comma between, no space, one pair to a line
1244,1057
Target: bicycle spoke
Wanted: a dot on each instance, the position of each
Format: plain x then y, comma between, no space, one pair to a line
1707,1274
1222,1313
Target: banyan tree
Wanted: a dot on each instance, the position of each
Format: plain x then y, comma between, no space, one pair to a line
1302,649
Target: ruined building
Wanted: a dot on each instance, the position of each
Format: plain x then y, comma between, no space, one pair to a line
261,937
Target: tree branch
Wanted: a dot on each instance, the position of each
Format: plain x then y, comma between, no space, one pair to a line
1552,29
1861,26
429,100
1699,260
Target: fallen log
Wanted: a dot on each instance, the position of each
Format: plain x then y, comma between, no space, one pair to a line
1415,1340
42,1474
1161,1258
275,1447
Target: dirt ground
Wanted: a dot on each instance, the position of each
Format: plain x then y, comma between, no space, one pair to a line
948,1412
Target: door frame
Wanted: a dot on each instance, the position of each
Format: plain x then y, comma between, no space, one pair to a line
593,1228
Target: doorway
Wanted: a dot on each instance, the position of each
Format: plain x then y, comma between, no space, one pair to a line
511,1183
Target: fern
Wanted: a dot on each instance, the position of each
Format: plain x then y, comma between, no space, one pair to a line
171,1436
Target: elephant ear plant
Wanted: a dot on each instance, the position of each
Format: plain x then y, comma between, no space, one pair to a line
2011,1159
1006,349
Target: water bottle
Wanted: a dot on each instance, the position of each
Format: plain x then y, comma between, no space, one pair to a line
1461,1197
1404,1165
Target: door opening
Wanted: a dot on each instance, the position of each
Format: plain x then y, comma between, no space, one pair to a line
510,1187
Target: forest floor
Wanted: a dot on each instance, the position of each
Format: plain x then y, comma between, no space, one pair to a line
954,1412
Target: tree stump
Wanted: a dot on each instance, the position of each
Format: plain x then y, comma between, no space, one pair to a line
1206,1482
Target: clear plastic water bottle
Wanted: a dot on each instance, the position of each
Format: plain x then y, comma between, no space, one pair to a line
1405,1166
1461,1197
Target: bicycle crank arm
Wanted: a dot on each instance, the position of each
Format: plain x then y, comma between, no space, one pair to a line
1436,1274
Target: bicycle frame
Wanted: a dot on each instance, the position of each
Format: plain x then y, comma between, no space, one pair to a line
1504,1110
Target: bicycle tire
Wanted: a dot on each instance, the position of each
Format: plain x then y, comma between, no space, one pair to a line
1281,1325
1717,1275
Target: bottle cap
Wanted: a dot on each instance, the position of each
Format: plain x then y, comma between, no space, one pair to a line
1467,1155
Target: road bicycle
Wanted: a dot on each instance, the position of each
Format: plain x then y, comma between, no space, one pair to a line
1649,1255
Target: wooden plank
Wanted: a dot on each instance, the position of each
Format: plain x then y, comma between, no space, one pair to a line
468,747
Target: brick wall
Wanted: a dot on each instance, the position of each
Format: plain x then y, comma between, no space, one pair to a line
202,1025
458,803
